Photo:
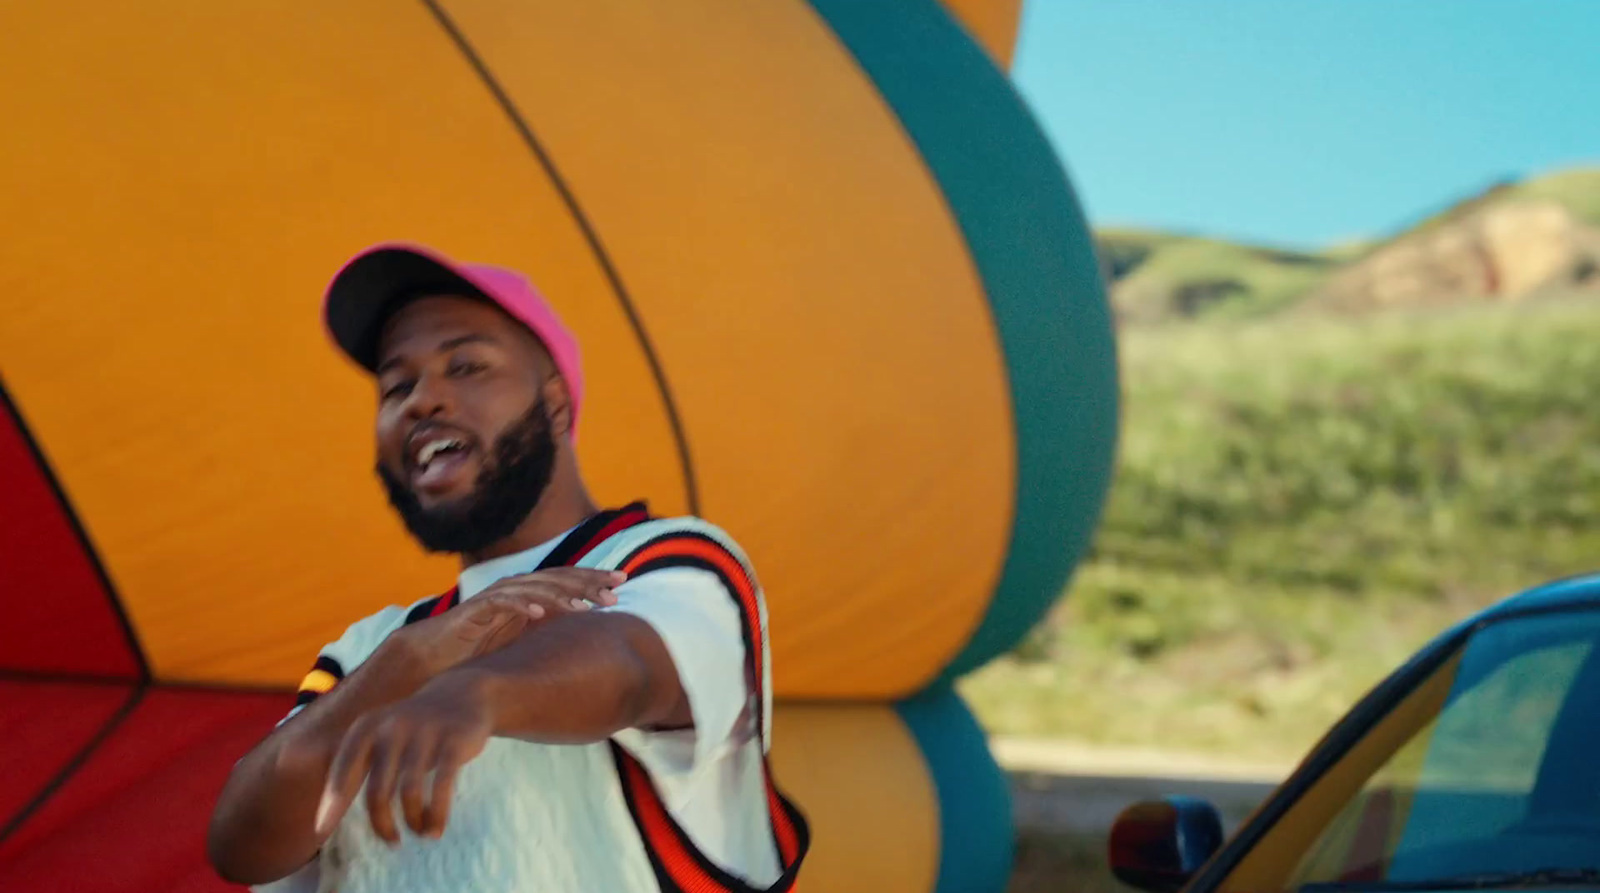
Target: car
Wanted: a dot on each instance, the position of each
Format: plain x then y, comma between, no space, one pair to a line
1475,765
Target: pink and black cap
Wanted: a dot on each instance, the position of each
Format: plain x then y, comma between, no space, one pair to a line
364,293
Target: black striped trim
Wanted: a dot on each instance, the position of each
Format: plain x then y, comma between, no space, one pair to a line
754,638
748,635
422,610
327,665
573,546
583,537
731,883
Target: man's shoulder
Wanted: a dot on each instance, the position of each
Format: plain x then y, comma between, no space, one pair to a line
682,528
671,540
689,550
363,637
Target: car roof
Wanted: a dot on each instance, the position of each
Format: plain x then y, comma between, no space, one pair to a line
1572,592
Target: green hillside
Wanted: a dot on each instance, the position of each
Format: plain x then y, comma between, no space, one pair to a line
1578,189
1300,502
1158,277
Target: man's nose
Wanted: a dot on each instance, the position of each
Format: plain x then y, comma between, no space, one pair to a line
429,397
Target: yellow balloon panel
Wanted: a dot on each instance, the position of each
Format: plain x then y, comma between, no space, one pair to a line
180,181
823,329
858,775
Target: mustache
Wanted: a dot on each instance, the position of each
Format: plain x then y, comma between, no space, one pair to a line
515,473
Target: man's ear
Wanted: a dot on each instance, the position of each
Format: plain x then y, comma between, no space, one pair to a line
558,405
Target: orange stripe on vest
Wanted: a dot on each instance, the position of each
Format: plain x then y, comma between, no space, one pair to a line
660,832
732,570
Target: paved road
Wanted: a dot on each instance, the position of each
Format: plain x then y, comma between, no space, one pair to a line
1089,804
1061,787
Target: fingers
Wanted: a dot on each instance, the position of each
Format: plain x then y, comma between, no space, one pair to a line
380,787
344,777
581,576
390,762
447,764
590,585
510,604
413,781
570,587
499,614
414,756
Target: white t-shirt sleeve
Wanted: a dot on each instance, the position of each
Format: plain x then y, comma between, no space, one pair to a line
357,644
701,625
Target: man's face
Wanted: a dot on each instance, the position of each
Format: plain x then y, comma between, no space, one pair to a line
465,447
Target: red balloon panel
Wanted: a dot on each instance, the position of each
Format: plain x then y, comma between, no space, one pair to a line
46,724
59,617
133,817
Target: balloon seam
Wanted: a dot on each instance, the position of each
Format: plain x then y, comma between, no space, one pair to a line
8,406
503,99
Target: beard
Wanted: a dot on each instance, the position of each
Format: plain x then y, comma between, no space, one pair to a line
514,477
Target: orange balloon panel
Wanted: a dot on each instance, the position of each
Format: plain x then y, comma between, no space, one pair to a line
823,330
181,181
859,776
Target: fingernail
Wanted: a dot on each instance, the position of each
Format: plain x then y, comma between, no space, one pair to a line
324,807
608,596
579,604
536,611
619,576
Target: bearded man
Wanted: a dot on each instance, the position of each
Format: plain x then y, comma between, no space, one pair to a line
586,711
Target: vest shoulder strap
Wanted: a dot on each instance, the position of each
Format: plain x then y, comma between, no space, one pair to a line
679,865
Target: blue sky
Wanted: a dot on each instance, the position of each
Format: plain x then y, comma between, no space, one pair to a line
1306,122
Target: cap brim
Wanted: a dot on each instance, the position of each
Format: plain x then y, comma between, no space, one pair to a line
363,294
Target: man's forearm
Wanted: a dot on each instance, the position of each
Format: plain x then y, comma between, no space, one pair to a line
262,829
576,680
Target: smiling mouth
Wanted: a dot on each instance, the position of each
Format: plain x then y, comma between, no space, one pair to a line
436,448
435,464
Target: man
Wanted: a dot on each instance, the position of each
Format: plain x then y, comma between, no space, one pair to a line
587,711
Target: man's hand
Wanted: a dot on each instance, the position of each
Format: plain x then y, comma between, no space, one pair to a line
262,829
577,680
415,747
497,615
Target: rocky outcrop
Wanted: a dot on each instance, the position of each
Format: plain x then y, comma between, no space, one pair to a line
1507,250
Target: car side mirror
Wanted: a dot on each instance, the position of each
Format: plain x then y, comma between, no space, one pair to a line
1158,845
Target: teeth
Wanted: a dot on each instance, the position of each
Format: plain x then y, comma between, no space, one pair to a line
434,448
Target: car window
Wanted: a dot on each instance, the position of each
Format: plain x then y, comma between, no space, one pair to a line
1488,778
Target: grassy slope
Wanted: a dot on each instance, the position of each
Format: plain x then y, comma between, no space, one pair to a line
1156,269
1577,188
1302,502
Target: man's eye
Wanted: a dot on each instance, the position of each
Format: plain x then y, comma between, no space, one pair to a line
397,390
466,368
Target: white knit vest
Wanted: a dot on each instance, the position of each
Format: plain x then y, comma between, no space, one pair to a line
526,818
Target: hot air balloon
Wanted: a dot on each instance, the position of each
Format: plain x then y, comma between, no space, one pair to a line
834,291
